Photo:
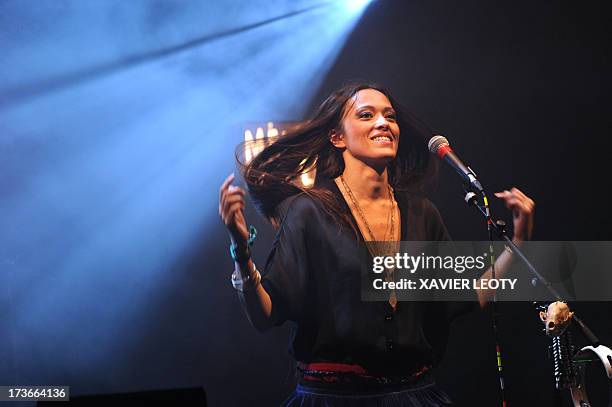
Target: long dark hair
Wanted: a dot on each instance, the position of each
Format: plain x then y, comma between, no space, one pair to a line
270,176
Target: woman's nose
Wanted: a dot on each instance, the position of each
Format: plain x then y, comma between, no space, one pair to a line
381,122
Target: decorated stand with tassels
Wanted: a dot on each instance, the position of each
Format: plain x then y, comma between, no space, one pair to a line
569,366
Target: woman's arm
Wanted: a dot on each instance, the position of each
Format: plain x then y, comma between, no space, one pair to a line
256,302
522,208
502,266
254,298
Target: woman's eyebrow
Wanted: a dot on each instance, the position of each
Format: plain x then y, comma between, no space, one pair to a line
386,108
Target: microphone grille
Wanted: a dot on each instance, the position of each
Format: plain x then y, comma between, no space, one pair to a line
436,142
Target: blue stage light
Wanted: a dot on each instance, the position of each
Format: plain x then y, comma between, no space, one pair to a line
356,5
111,161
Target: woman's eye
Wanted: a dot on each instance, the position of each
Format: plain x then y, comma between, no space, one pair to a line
365,115
391,117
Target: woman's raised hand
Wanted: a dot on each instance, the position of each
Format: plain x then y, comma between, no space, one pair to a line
231,206
522,208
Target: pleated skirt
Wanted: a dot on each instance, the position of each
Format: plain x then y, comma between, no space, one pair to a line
423,393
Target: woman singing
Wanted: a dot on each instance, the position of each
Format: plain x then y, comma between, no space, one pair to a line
369,160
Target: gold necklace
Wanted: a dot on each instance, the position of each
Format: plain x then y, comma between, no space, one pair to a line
362,215
389,275
390,219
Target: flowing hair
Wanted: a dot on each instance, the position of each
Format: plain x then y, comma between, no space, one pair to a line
271,175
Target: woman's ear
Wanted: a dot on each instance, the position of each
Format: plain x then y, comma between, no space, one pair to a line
337,139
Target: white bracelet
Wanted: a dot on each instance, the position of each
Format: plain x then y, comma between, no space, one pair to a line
248,283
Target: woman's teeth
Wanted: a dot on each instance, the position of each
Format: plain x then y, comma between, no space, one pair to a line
382,138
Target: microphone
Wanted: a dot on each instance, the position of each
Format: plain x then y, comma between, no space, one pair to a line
439,146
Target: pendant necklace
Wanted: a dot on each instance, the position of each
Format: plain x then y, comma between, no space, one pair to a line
374,252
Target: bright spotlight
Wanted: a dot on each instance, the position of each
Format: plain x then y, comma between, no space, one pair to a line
356,5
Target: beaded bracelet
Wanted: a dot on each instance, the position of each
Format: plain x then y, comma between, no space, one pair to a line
240,256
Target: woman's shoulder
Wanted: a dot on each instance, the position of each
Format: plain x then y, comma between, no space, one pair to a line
418,203
309,201
426,221
298,205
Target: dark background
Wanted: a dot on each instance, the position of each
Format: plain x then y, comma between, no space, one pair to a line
521,89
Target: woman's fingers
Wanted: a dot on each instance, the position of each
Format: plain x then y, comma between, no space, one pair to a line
516,197
229,214
236,224
231,206
227,192
514,203
226,183
522,208
501,194
223,189
527,202
235,190
230,200
519,194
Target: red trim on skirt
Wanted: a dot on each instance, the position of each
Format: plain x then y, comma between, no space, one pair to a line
330,372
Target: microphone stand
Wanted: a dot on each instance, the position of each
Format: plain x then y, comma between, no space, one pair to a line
562,347
498,227
470,196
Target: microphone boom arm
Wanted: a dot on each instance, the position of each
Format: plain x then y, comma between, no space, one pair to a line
498,228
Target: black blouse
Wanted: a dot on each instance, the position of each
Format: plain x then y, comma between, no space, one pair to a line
312,275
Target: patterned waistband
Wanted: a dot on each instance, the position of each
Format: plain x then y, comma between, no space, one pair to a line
329,372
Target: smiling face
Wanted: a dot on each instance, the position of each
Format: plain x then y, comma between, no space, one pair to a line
369,130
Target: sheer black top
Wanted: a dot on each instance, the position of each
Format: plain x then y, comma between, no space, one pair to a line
312,275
